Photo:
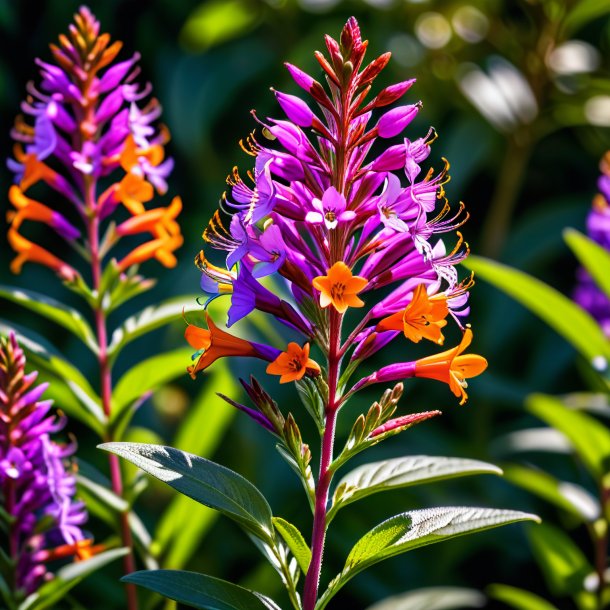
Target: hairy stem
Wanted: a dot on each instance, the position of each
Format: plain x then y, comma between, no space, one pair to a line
319,521
106,391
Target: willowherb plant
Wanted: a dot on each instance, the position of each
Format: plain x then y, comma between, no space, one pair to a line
347,232
89,131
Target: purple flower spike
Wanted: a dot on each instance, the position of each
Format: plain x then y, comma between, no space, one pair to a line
35,484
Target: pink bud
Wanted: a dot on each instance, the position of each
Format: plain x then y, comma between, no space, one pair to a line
302,79
295,108
394,121
392,158
403,422
390,94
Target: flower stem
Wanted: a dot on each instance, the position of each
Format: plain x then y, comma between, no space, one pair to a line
318,535
106,391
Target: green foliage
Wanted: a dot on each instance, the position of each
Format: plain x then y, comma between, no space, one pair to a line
200,591
518,598
433,598
594,258
204,481
295,541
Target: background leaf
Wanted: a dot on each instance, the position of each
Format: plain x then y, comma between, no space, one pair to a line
519,598
433,598
594,258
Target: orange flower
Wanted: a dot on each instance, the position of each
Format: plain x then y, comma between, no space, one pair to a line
214,343
340,287
131,154
162,249
422,318
292,364
80,550
34,170
453,367
28,251
133,190
159,221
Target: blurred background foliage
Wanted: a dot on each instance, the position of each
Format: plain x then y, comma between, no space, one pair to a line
519,92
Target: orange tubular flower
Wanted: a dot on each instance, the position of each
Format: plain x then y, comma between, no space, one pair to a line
80,550
158,221
339,287
292,364
214,344
422,318
131,155
453,367
28,251
162,249
133,191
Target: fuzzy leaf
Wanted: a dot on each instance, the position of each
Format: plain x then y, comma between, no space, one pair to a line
567,496
433,598
204,481
66,578
411,530
563,564
593,257
557,310
200,591
149,319
590,438
403,472
295,541
519,599
52,310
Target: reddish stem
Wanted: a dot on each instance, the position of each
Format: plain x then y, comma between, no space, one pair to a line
106,390
318,535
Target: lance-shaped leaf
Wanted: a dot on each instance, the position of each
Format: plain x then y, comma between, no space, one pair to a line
519,599
149,319
200,591
593,257
204,481
52,310
295,541
590,438
557,310
402,472
414,529
55,590
433,598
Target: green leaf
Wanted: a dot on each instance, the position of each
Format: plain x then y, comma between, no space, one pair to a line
590,438
558,311
66,578
563,564
519,599
594,258
45,357
433,598
295,541
583,12
147,376
200,591
149,319
183,525
204,481
403,472
414,529
567,496
52,310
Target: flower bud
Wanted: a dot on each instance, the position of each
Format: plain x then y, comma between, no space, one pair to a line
295,108
395,120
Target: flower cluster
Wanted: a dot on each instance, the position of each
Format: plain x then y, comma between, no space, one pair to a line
85,122
587,294
347,222
36,489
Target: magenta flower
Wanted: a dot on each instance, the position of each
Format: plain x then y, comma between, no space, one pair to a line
37,487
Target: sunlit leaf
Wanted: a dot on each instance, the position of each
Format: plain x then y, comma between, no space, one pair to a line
519,599
414,529
184,524
590,438
403,472
295,541
583,12
594,258
433,598
52,310
557,310
567,496
204,481
563,564
200,591
51,592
